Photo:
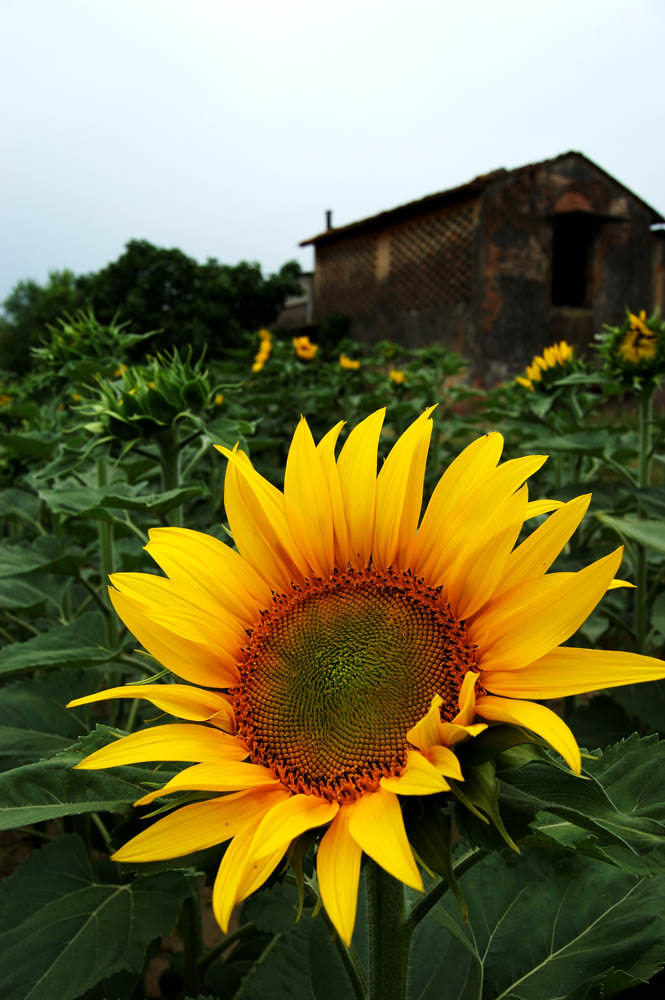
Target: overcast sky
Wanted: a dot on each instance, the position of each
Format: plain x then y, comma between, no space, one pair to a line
227,127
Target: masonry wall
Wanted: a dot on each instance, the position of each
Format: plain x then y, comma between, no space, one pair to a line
516,315
412,282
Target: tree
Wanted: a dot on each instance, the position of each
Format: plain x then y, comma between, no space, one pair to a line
29,309
187,304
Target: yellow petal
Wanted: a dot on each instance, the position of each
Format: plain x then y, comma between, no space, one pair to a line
190,660
376,825
467,700
479,567
446,762
419,778
239,873
469,520
222,775
258,524
191,557
182,700
177,741
326,452
460,480
530,627
538,719
198,826
567,670
427,732
307,502
399,492
289,819
157,593
537,507
338,872
536,554
356,467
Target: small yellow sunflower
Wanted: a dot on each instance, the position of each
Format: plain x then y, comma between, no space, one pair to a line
554,356
336,659
640,342
304,348
350,364
397,376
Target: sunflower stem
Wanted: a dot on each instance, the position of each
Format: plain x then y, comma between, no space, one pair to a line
106,559
389,936
431,898
169,460
645,412
192,933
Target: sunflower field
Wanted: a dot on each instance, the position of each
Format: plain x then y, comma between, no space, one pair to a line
328,674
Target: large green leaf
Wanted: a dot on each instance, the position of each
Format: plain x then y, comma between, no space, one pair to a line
300,962
49,789
98,503
34,722
17,593
649,533
621,802
540,927
77,644
62,929
45,553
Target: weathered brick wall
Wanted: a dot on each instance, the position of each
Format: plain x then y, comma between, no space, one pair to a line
406,282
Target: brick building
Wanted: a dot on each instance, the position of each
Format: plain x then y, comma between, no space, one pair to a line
497,268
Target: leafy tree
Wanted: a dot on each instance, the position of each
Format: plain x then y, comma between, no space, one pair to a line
190,305
29,309
209,305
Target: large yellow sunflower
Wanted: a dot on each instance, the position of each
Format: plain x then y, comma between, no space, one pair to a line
338,656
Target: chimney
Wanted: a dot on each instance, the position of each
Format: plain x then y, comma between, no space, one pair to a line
329,224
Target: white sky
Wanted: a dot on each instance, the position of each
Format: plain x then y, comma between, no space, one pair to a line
227,127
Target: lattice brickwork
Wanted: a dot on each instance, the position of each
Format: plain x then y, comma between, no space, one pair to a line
346,276
431,260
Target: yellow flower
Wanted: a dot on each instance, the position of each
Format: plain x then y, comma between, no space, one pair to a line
120,371
5,400
348,363
552,357
639,343
77,397
305,349
397,376
264,350
219,399
151,385
336,659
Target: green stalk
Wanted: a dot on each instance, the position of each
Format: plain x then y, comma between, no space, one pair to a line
169,460
645,425
106,559
389,940
192,933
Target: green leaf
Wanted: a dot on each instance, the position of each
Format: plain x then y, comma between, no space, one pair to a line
541,927
97,503
34,722
21,504
46,554
75,645
621,802
302,963
649,533
63,929
49,789
17,593
29,444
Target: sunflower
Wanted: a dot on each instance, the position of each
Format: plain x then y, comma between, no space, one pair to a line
304,348
554,356
337,658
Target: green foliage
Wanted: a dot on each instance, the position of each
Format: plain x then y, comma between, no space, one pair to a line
29,309
184,304
64,927
83,480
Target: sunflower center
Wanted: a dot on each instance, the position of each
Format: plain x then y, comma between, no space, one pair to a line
336,673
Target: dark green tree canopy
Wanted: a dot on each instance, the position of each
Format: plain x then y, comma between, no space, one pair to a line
187,304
